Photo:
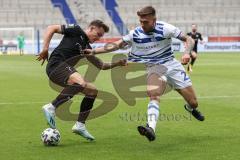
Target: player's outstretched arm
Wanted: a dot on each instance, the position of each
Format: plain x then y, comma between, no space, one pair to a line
201,39
189,44
109,47
43,55
104,66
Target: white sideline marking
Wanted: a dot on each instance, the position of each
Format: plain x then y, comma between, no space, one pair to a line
218,64
20,103
207,97
172,98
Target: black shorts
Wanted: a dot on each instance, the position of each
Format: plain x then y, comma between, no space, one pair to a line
59,71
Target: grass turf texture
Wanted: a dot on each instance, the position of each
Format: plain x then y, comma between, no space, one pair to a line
24,89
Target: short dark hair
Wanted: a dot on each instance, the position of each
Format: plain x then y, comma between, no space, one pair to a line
148,10
99,24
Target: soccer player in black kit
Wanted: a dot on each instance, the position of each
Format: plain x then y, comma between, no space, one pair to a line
196,36
60,69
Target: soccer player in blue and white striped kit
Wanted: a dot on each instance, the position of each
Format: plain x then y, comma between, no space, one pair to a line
151,45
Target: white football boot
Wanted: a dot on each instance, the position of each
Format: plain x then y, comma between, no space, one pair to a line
80,129
49,113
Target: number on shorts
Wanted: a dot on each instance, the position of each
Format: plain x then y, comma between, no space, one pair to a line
185,76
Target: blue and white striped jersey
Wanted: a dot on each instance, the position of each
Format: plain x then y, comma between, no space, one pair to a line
153,47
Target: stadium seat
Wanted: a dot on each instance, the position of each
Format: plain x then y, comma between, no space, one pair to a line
33,13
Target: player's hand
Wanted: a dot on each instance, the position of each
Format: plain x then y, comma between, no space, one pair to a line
185,58
42,56
122,62
88,51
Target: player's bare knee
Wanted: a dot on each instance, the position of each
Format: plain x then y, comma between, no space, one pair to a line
75,80
194,56
71,80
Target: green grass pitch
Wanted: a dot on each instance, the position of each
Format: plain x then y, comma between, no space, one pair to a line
24,89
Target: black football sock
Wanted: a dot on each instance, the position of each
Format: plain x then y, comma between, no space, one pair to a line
66,94
85,108
192,61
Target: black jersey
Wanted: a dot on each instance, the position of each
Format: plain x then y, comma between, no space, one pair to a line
72,44
196,36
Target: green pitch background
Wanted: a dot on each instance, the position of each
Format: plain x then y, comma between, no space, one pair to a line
24,89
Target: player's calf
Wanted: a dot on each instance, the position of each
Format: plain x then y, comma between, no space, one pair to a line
193,103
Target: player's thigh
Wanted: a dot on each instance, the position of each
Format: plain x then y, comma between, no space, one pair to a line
189,95
155,85
60,73
177,77
76,78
